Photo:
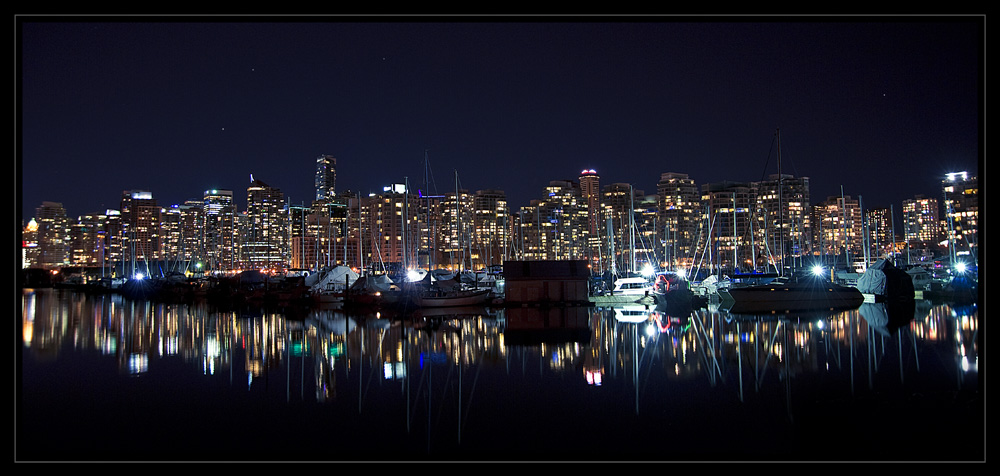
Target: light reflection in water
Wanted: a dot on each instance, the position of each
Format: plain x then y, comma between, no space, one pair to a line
736,354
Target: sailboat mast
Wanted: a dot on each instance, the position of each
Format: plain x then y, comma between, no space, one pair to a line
781,211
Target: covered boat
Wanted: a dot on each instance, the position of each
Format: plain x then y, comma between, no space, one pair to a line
883,281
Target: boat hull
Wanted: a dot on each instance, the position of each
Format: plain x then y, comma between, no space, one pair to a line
463,298
769,298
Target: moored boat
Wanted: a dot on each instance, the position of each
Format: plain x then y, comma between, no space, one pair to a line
780,295
467,297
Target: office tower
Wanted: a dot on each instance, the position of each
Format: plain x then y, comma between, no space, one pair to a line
680,216
837,231
87,240
783,221
52,236
318,234
961,209
140,238
326,177
265,232
182,236
729,207
302,244
921,221
590,189
489,228
219,244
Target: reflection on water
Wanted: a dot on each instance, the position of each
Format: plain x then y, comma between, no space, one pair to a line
517,383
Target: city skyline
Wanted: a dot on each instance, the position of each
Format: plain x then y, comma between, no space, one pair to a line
173,108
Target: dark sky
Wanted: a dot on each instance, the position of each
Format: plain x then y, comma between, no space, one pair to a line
883,106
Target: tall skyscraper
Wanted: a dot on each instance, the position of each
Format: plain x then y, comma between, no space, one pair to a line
52,236
265,233
590,189
140,238
326,177
219,244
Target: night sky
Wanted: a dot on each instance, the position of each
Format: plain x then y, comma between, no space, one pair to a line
882,106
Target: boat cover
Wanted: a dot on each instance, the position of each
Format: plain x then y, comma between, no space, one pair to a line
884,279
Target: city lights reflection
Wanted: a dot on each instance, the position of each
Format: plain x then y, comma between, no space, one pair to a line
643,355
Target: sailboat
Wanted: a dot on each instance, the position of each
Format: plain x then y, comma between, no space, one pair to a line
783,294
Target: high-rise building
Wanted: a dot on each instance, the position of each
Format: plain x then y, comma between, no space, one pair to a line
265,233
961,210
590,189
456,229
52,236
182,236
730,207
219,245
140,237
326,177
556,227
618,213
783,219
681,216
921,220
880,232
489,228
88,240
838,232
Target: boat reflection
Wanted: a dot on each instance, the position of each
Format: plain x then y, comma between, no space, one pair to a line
438,360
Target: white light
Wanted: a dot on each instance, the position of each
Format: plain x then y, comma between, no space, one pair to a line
647,270
817,270
960,267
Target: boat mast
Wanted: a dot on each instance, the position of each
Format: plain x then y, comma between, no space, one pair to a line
847,249
781,214
631,227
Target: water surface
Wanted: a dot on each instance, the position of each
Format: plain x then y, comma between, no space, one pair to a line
104,378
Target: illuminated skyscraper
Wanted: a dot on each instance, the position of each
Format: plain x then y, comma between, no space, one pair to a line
680,216
52,236
556,227
961,209
784,229
730,213
140,238
837,231
618,203
265,233
590,189
326,177
220,245
489,228
921,220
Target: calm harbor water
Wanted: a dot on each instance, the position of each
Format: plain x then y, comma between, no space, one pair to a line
102,378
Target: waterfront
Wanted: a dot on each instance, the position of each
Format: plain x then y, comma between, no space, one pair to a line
104,378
